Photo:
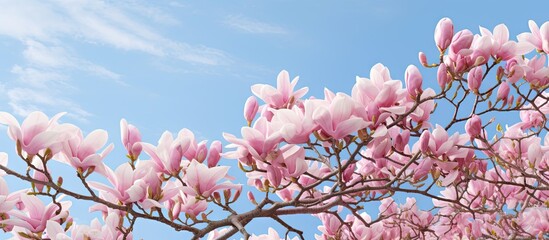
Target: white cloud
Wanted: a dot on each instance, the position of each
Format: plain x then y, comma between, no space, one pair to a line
36,78
102,23
253,26
45,27
151,12
26,100
43,56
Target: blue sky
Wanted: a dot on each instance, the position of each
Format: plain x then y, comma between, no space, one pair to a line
167,65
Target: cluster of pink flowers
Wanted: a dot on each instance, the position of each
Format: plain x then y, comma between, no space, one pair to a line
328,157
176,178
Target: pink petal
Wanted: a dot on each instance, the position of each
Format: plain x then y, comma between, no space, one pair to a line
349,126
341,108
94,141
13,125
34,124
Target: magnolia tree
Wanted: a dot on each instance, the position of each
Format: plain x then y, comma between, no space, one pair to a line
327,157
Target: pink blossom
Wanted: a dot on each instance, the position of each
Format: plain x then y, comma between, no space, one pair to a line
535,220
37,132
423,59
461,42
127,188
514,71
439,143
272,235
503,92
35,214
256,143
189,204
283,96
81,153
216,234
473,126
250,109
443,33
413,80
531,117
400,139
535,37
380,96
202,181
130,139
293,160
95,231
214,154
337,119
500,46
296,124
274,175
535,70
168,154
422,114
443,78
330,225
474,79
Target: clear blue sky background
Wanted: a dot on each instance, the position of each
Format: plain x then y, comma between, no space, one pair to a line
167,65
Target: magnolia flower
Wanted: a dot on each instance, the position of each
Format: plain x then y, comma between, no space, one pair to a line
503,92
202,181
37,132
256,142
250,109
500,46
296,124
81,153
272,235
538,37
473,126
413,80
443,78
337,118
282,96
35,214
130,139
127,188
474,79
168,154
443,33
214,155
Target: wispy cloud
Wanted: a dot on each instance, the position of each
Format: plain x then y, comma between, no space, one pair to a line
253,26
26,100
57,57
45,28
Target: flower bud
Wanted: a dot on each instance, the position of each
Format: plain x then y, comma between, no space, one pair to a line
442,76
401,140
130,138
348,172
201,152
250,109
251,197
214,154
474,79
274,176
462,40
500,72
423,59
424,141
515,74
473,126
503,91
413,80
443,33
